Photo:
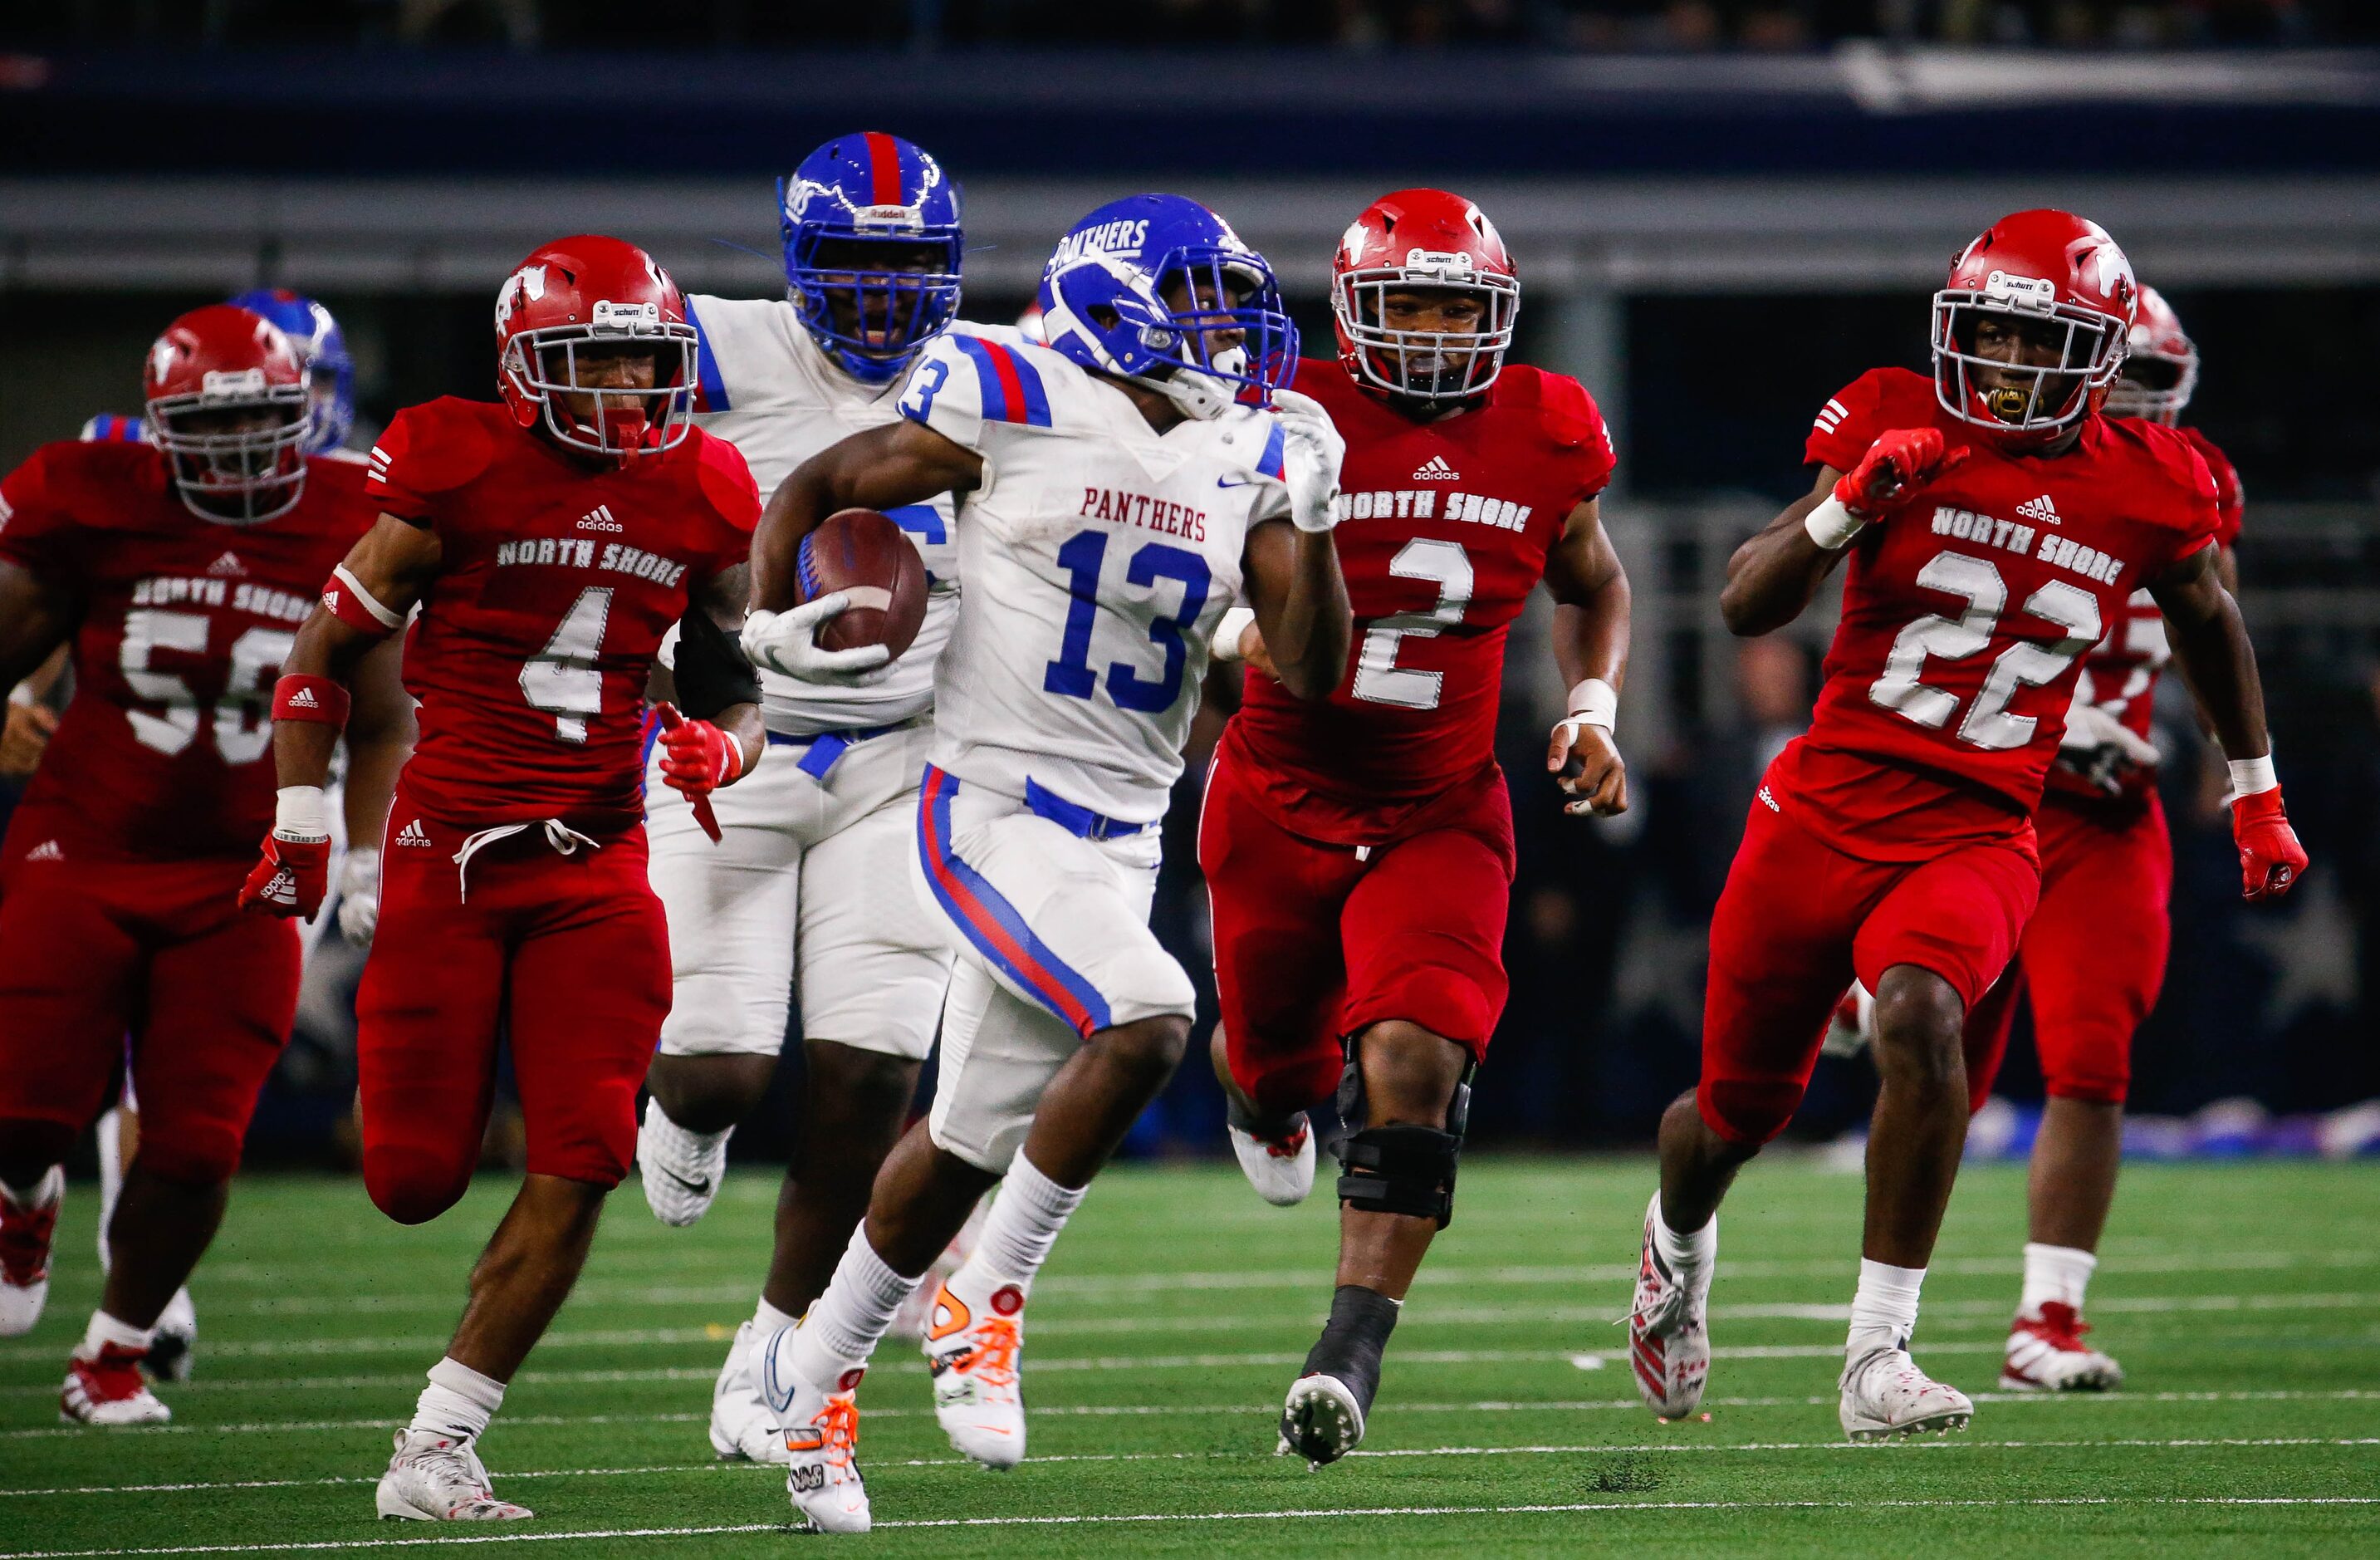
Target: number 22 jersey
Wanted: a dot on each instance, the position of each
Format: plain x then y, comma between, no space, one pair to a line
1966,616
559,576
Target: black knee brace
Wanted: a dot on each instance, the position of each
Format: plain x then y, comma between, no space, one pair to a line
1407,1170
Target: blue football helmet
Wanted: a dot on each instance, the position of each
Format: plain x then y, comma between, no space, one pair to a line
857,193
322,348
1103,304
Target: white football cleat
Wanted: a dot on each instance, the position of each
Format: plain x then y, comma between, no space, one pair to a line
741,1424
26,1230
175,1340
1281,1169
107,1388
821,1438
435,1478
916,1311
1322,1420
975,1359
1669,1331
2046,1353
681,1169
1886,1394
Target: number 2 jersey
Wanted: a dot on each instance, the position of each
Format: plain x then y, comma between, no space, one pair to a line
1095,556
1444,529
164,753
1966,616
559,576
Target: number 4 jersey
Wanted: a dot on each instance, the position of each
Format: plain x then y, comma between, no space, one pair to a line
558,578
1966,616
165,752
1445,529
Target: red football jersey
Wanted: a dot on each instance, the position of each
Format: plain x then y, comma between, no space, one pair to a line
1444,529
2120,674
1966,616
558,579
164,753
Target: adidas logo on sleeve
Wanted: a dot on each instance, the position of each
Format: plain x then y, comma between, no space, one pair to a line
2040,509
47,850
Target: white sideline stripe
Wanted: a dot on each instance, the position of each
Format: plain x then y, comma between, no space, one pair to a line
1941,1443
1309,1514
1269,1408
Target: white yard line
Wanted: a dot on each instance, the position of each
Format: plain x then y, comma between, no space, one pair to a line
1309,1514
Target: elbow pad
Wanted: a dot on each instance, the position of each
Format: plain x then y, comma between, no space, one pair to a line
711,670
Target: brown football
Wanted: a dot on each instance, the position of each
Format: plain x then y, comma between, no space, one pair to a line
863,554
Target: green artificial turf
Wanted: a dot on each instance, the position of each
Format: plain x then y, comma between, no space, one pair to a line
2244,1301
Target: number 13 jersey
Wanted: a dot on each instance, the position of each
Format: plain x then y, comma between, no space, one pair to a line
1966,616
1444,529
558,578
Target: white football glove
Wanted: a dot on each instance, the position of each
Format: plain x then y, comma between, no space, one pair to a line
359,895
2090,728
1311,451
787,643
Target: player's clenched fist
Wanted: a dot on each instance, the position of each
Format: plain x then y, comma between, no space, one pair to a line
1901,461
295,870
1581,757
1311,451
697,756
2271,859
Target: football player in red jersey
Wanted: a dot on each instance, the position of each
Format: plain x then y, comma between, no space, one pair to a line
1995,524
177,570
1359,853
550,541
2092,958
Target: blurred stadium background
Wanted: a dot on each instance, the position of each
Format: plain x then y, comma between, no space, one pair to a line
1722,212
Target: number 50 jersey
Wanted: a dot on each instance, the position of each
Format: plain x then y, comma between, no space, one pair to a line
1094,561
558,578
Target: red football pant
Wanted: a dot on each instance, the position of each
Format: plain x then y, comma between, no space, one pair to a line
565,956
90,953
1316,942
2092,957
1798,920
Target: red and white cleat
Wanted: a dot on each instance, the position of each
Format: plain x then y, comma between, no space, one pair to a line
1669,1335
26,1230
434,1478
975,1360
1885,1394
2046,1353
1282,1169
108,1388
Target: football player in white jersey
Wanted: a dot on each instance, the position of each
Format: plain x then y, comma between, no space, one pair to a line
1116,490
806,890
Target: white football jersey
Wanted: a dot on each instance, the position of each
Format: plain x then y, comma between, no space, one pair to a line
1097,556
763,384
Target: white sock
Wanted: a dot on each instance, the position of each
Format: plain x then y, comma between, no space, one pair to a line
2054,1272
105,1329
766,1319
1686,1254
1022,1226
842,1327
458,1402
1884,1311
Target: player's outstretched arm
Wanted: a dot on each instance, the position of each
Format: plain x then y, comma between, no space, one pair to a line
1591,607
2210,644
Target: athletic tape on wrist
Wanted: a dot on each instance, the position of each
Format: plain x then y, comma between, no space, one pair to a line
1832,525
1236,622
301,812
1594,702
303,696
348,601
2252,776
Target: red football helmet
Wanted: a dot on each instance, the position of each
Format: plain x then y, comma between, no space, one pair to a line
586,297
1423,239
2065,279
227,405
2161,368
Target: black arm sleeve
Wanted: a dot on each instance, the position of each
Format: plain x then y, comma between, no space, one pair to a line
712,673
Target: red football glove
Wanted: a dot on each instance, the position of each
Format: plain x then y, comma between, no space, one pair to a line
2270,856
698,759
292,878
1900,462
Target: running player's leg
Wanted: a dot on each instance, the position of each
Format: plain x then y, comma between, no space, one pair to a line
1422,932
2099,938
731,908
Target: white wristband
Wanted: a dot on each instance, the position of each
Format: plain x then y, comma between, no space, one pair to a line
1226,642
1595,702
300,812
22,696
1831,525
2251,776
